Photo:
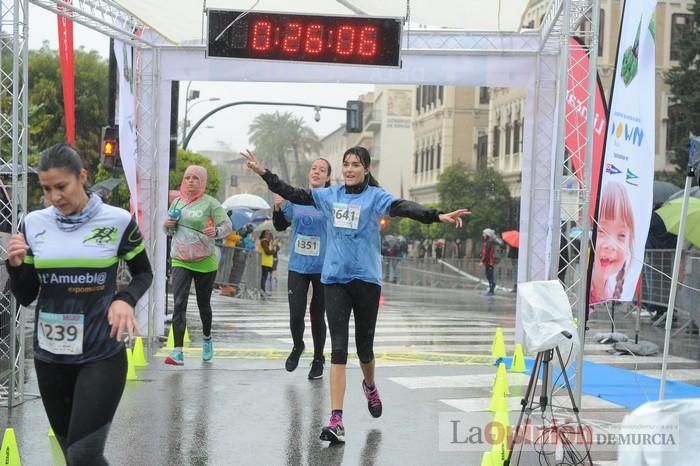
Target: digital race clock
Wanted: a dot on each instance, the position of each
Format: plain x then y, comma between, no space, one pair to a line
309,38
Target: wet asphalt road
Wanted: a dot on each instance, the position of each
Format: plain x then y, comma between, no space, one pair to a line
243,408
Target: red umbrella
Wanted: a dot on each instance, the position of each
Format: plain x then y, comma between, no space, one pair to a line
512,237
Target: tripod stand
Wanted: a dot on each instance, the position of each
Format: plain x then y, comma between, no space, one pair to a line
542,362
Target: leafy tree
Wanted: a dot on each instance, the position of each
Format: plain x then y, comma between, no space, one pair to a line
684,80
186,158
46,113
275,135
47,119
484,193
410,229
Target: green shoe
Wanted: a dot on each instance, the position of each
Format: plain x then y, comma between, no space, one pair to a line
207,349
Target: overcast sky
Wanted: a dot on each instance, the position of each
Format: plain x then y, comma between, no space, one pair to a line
230,125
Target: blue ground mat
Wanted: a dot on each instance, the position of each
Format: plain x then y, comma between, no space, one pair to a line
621,386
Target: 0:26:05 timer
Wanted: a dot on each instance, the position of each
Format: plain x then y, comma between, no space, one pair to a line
296,37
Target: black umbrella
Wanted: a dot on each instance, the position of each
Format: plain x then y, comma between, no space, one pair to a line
663,190
105,187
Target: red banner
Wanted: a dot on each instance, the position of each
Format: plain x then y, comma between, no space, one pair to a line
576,118
65,53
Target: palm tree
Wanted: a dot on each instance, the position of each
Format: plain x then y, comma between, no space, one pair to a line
274,135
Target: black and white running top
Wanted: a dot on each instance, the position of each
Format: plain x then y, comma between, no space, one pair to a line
74,274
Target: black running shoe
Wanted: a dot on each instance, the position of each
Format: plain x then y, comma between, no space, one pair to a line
316,371
374,403
334,432
293,358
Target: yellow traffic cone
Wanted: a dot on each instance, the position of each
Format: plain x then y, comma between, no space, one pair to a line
139,355
10,453
498,454
51,432
486,459
499,401
498,348
131,370
171,339
501,422
56,452
186,340
517,364
502,378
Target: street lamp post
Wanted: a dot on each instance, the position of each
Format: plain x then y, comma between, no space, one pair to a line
190,96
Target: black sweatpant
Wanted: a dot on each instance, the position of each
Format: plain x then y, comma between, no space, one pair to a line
264,273
362,298
298,288
203,286
490,277
80,401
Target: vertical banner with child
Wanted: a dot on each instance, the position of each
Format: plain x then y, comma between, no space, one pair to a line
626,189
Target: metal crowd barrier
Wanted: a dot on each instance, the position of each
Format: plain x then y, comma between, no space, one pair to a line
239,268
443,273
656,283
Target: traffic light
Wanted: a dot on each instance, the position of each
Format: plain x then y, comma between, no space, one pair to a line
109,148
353,116
383,223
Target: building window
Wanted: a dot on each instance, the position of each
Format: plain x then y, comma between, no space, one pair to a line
439,156
680,24
432,158
601,32
482,148
508,129
673,129
418,100
516,136
483,96
415,163
496,139
423,161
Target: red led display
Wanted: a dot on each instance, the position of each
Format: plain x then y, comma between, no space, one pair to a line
292,37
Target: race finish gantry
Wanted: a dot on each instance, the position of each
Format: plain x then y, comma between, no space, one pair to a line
466,43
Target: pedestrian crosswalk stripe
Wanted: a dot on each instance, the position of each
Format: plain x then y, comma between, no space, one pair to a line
458,381
472,405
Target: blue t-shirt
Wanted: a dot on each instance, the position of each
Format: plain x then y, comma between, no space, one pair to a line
308,246
352,230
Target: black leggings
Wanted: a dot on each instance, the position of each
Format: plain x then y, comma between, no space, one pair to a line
81,427
362,298
298,288
203,286
263,276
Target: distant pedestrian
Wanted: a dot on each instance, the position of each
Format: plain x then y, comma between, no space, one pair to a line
513,255
266,249
488,258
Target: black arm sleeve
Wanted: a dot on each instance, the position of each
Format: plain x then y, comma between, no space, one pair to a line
24,283
279,221
296,195
141,278
413,210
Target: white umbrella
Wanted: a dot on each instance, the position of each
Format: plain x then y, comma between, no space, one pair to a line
250,201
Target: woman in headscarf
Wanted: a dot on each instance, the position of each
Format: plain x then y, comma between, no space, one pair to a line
195,219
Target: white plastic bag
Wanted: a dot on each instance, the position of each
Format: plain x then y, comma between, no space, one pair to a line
546,319
654,436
